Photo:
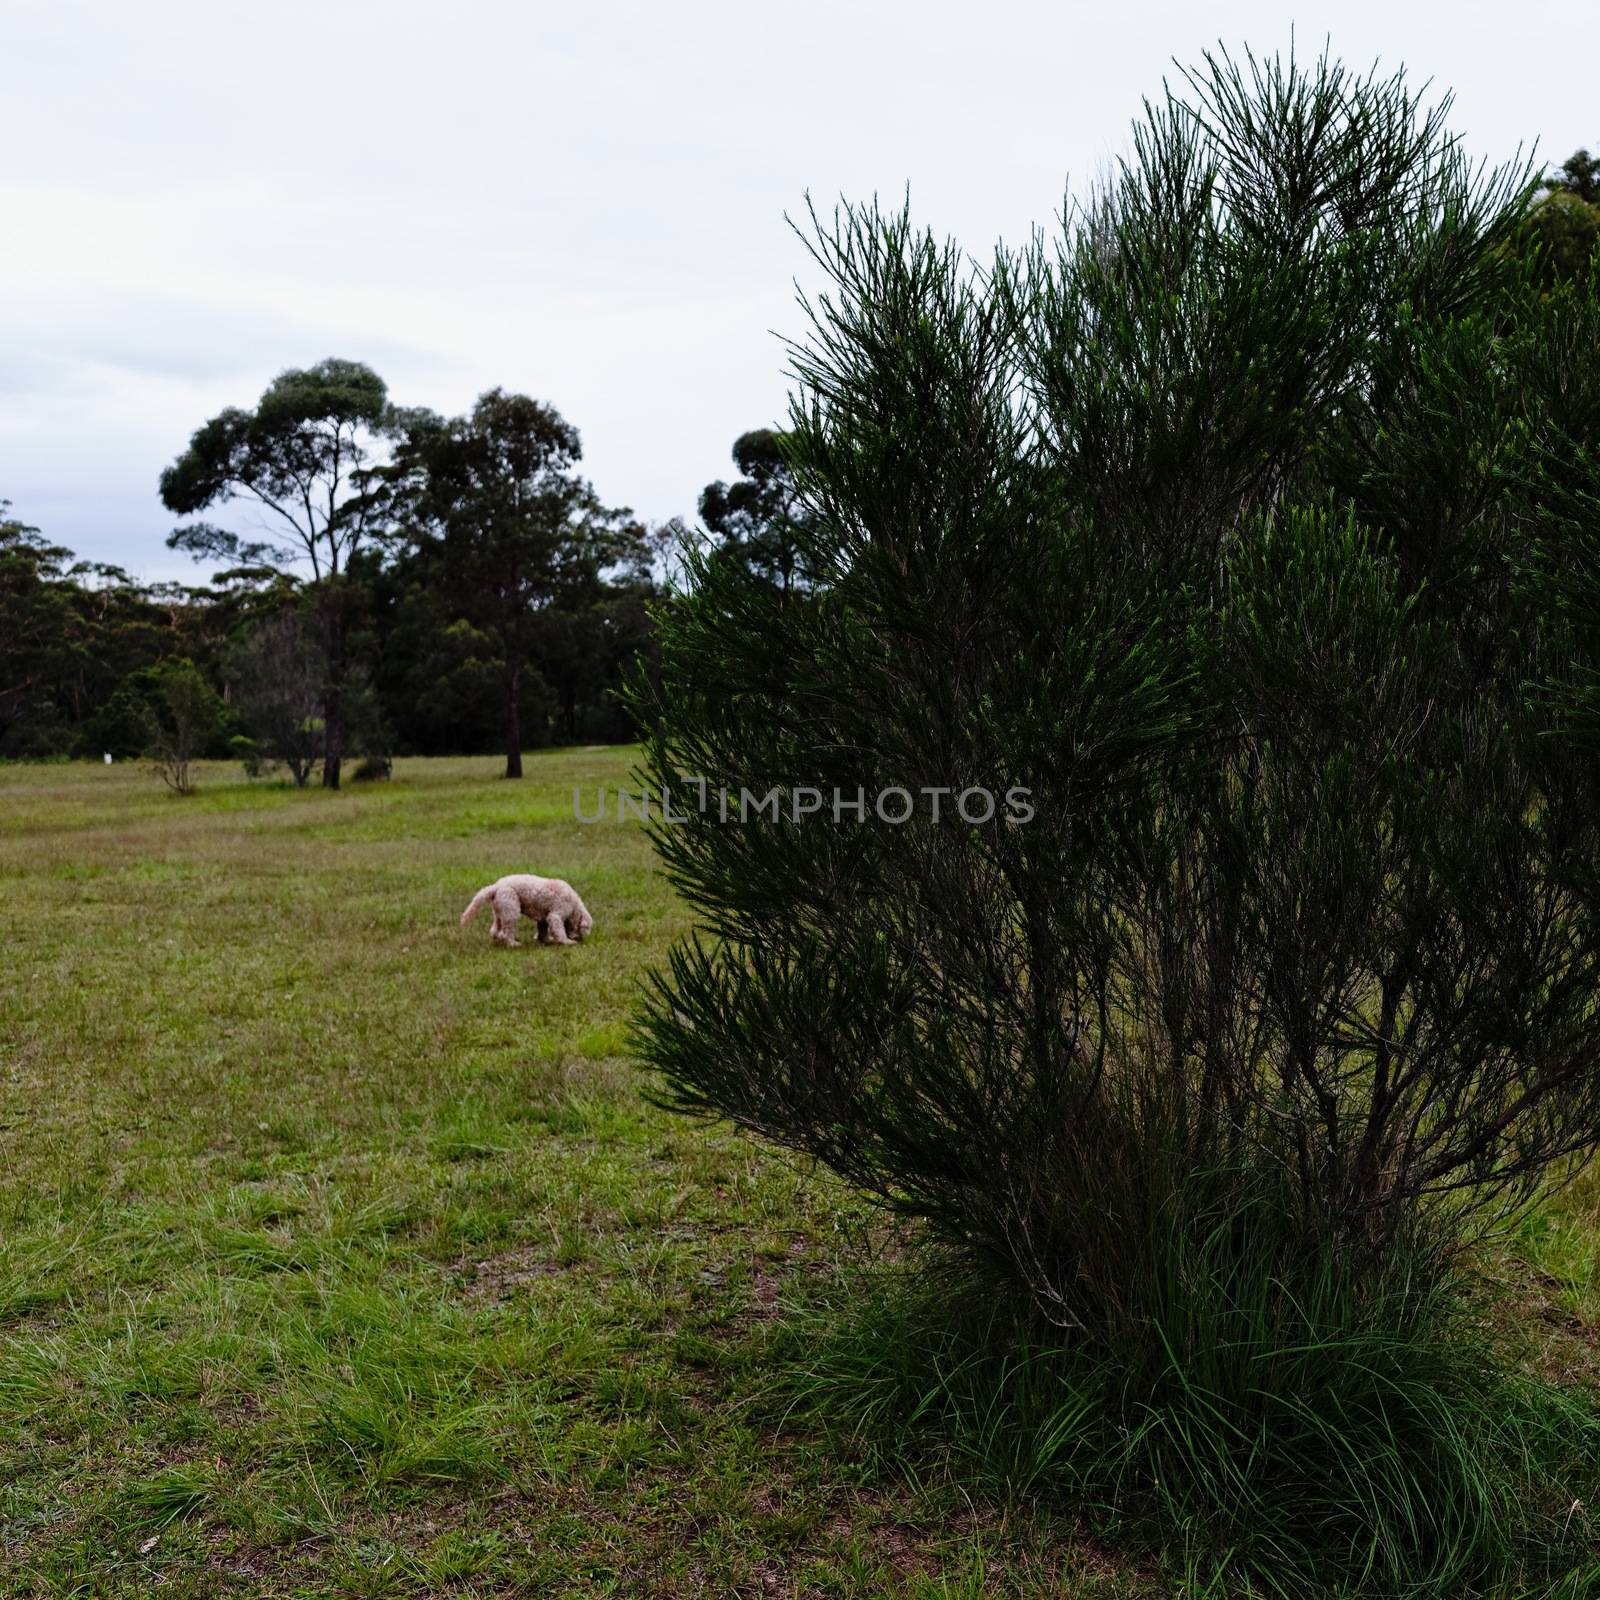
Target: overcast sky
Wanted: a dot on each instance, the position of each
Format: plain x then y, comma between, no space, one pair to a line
583,201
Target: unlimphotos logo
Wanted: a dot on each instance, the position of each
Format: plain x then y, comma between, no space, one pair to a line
696,798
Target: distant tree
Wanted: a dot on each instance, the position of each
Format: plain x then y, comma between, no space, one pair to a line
1561,229
495,507
183,713
584,653
1562,234
279,673
457,688
305,457
413,642
755,518
1578,175
75,637
120,726
437,673
36,618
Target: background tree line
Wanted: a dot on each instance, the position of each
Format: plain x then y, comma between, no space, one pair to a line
420,584
415,585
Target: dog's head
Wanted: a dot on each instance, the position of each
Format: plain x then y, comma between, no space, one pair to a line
582,923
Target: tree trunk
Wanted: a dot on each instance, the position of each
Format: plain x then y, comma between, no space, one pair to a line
333,696
333,733
513,711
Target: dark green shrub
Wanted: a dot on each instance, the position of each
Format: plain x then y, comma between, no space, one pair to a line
184,718
280,675
121,727
1239,528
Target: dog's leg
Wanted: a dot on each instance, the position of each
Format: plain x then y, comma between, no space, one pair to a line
558,929
507,913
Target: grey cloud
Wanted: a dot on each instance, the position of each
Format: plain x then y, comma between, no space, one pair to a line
170,337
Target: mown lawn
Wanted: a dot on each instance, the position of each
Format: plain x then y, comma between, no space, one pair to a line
340,1253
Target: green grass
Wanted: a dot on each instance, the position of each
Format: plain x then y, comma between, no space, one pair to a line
341,1253
1378,1440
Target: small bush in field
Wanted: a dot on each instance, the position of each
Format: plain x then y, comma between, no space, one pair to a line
182,714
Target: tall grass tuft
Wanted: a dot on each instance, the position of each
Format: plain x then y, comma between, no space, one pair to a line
1256,1411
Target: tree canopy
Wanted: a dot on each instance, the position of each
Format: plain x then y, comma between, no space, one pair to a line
753,519
395,581
307,456
304,455
1562,228
499,515
1579,176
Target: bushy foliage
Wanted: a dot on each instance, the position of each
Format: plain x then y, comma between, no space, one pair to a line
279,673
1249,527
1563,233
182,715
74,638
752,519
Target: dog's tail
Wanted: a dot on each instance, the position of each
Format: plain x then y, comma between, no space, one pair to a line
479,900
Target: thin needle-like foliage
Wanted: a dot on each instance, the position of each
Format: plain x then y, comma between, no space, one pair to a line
1249,526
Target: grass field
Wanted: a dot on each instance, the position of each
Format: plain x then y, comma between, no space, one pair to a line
340,1253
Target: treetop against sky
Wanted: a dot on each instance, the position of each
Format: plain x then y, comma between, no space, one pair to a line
586,206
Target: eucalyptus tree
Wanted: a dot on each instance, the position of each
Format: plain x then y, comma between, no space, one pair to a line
303,462
494,505
753,518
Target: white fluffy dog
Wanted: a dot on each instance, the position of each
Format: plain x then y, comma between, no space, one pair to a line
562,916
